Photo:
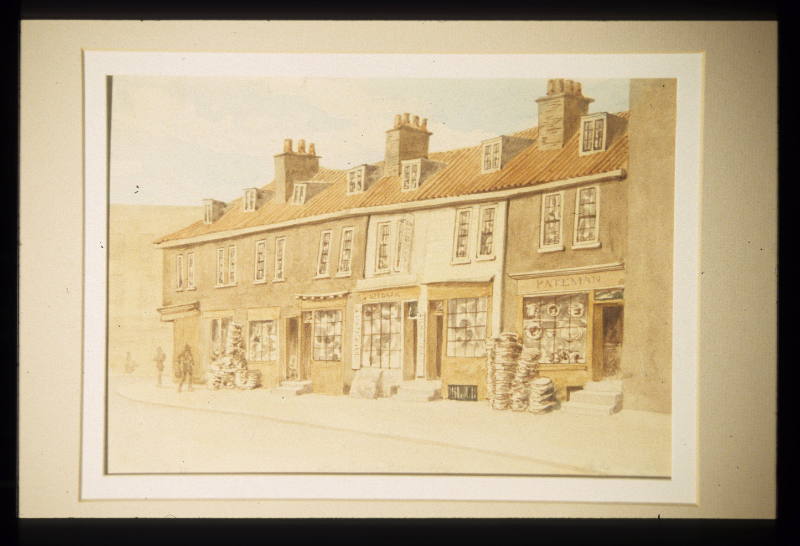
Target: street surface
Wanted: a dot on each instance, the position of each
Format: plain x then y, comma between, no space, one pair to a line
157,430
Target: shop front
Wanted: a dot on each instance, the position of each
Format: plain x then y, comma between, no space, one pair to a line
459,323
387,334
315,342
573,320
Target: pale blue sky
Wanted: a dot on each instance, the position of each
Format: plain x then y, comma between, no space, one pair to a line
178,140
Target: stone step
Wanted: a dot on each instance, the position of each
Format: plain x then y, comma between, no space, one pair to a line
590,409
295,387
602,398
608,385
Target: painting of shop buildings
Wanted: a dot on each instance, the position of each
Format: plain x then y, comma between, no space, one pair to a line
521,271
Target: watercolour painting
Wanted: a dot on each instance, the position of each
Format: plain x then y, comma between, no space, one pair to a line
388,276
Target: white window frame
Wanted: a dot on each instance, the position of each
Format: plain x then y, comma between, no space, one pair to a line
402,224
221,266
358,170
480,301
318,263
414,175
315,334
346,272
593,149
299,194
388,267
560,245
595,243
481,211
228,265
496,161
456,259
180,283
190,271
233,273
249,201
280,252
277,350
263,244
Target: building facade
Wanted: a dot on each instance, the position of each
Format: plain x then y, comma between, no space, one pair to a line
409,265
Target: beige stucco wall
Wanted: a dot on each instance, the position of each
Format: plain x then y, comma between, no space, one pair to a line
647,350
302,245
522,256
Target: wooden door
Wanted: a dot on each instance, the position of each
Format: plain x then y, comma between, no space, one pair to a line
305,351
290,371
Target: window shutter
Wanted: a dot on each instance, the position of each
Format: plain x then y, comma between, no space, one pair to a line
355,355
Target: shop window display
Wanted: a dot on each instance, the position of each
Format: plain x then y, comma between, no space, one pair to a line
466,327
263,340
380,345
556,326
328,335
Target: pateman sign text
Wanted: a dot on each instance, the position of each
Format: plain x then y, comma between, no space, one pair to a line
572,282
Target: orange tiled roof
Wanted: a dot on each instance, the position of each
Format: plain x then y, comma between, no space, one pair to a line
460,176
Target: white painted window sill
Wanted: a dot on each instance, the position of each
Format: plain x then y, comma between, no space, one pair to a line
189,289
225,285
460,261
274,281
583,246
325,276
485,258
343,274
262,281
545,249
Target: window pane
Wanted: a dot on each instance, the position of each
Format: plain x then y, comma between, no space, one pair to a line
587,136
599,129
231,264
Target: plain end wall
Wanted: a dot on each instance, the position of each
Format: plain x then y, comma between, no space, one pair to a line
647,349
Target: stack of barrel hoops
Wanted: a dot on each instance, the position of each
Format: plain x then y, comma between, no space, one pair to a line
512,379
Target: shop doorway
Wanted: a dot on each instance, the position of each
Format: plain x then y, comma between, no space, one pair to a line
304,361
609,348
437,323
410,341
291,348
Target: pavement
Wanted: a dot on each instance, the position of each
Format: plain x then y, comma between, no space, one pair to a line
628,443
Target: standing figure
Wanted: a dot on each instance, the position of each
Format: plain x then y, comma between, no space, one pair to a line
185,365
159,360
130,365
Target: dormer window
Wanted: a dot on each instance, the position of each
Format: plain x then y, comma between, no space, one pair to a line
593,134
410,175
299,194
355,180
491,156
249,201
498,151
212,210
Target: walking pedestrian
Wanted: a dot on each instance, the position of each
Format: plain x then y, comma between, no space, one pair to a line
185,365
159,360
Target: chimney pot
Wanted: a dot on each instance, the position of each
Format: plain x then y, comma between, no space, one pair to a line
416,121
287,145
424,124
406,117
301,146
397,120
311,150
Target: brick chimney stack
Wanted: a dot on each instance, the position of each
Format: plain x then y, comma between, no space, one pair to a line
291,166
560,112
407,139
